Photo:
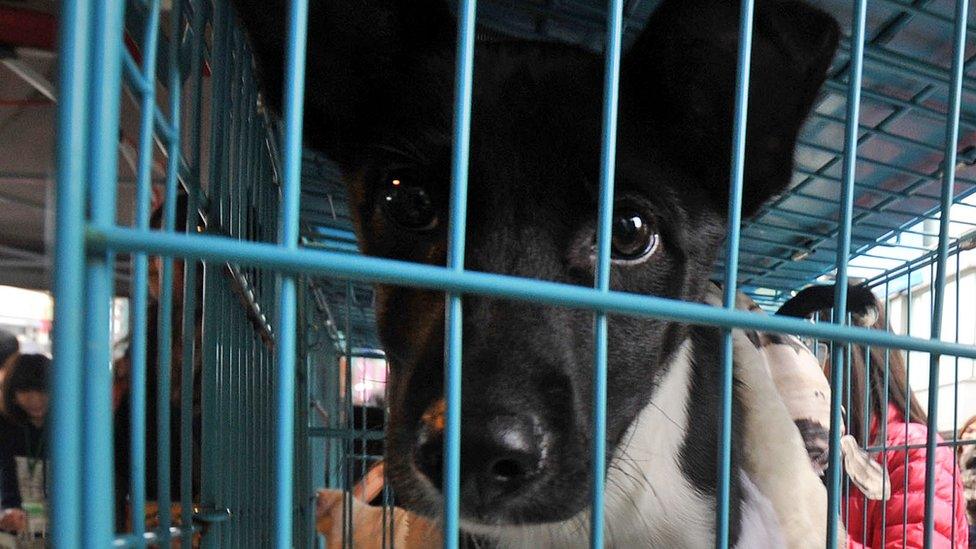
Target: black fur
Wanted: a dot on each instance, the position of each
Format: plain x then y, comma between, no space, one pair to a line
860,301
379,96
816,438
700,450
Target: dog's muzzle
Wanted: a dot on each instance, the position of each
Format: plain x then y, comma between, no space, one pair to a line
502,457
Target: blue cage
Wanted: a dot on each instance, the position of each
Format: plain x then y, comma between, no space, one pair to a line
270,384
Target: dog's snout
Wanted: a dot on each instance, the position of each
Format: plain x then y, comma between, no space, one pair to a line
500,456
508,452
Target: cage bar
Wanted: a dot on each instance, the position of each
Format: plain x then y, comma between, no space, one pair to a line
140,285
736,175
608,149
938,285
285,344
96,412
67,375
843,251
455,260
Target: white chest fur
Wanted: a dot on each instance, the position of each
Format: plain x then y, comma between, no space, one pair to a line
649,500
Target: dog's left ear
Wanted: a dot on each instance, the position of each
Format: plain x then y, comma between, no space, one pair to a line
680,78
372,66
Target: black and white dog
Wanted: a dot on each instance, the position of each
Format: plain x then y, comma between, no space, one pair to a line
378,101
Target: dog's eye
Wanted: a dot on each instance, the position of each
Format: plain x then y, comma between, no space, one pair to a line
408,204
633,237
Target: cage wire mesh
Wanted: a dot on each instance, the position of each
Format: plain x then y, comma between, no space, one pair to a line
272,382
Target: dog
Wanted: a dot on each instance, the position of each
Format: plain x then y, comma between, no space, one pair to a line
378,101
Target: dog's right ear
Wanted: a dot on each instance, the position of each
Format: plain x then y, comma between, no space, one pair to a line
679,80
368,63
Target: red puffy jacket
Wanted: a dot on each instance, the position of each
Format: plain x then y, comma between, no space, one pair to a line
885,526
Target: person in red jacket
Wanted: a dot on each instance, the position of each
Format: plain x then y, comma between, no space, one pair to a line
898,422
882,412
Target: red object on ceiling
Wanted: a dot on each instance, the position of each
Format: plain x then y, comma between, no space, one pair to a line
28,29
21,28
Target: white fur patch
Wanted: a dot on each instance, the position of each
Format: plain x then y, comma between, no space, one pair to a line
759,527
649,501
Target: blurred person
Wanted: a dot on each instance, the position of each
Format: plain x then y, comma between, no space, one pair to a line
24,402
897,422
9,346
122,384
967,462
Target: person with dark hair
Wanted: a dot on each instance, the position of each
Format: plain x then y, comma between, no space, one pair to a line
23,465
9,346
883,412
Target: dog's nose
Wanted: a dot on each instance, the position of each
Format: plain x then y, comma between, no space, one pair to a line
499,456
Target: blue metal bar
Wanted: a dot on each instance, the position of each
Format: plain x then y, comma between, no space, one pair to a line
455,261
948,186
347,473
922,446
876,131
931,15
98,519
904,65
168,131
190,279
880,164
135,76
335,234
865,427
905,107
848,397
608,149
74,71
884,424
915,105
736,176
882,208
908,418
913,265
140,284
955,401
285,344
843,252
236,369
403,273
210,433
224,450
164,328
186,384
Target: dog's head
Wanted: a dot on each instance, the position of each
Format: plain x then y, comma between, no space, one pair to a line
379,99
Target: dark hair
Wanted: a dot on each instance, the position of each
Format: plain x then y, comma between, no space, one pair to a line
899,392
971,422
27,373
182,203
8,346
